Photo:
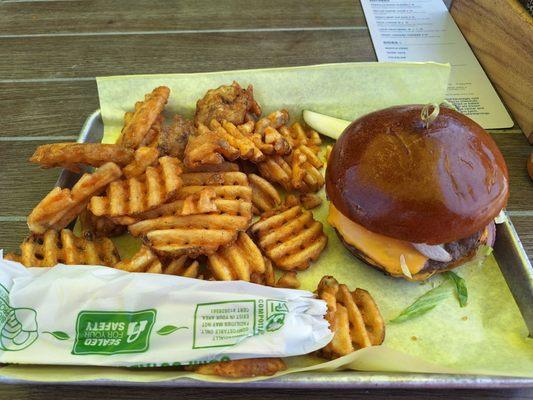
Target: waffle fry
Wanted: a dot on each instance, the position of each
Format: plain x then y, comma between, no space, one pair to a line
276,169
135,195
63,247
290,238
306,200
298,136
224,166
274,120
61,206
143,158
227,102
95,227
237,261
73,155
138,124
265,197
353,317
174,234
288,280
267,136
202,202
246,368
146,261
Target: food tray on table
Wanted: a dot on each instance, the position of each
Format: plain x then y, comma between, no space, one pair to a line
513,262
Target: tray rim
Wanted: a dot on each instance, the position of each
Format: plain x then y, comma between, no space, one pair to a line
317,380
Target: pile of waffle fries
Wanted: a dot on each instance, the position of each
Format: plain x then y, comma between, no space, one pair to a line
191,190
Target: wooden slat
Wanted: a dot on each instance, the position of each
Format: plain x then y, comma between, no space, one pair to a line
515,149
44,108
131,15
89,56
12,234
524,227
23,184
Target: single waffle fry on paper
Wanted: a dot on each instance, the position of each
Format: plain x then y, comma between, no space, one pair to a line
354,318
64,247
239,260
61,206
290,238
146,261
138,124
131,196
73,155
265,197
246,368
144,157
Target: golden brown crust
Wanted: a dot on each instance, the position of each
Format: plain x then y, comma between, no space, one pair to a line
247,368
394,176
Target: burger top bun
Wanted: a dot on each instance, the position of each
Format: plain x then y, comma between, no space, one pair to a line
424,183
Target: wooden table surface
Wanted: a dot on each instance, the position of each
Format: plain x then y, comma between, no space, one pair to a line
51,52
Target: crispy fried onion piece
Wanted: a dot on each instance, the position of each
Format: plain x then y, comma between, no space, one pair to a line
290,238
53,247
227,102
146,261
137,125
354,318
72,155
61,206
173,138
247,368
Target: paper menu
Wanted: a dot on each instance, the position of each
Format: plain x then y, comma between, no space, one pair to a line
423,30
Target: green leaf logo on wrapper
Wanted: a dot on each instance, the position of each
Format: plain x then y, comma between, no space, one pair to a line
18,326
113,332
276,311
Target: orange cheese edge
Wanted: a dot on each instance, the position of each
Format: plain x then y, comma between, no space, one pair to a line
385,251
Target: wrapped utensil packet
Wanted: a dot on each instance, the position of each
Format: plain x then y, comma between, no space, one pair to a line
93,315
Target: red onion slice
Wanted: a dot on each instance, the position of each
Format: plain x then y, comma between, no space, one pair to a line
435,252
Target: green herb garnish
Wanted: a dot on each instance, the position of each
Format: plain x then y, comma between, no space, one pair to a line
460,287
427,302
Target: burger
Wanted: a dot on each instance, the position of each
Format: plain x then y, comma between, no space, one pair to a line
414,193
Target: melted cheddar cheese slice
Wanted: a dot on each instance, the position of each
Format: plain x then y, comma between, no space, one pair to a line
385,251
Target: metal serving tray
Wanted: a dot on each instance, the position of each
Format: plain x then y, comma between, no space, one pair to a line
514,264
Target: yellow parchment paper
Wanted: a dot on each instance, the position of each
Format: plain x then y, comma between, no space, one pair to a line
486,337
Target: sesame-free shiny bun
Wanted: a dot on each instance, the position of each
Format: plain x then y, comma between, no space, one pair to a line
425,184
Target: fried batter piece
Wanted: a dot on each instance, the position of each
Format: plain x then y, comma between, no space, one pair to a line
96,227
63,247
72,155
227,102
143,158
128,197
61,206
247,368
265,197
142,126
353,317
242,260
174,138
290,238
169,233
146,261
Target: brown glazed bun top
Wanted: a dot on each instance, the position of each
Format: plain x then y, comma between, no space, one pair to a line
394,176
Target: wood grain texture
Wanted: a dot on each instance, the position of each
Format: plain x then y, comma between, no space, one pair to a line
132,15
524,228
500,33
23,184
89,56
46,108
21,392
515,150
